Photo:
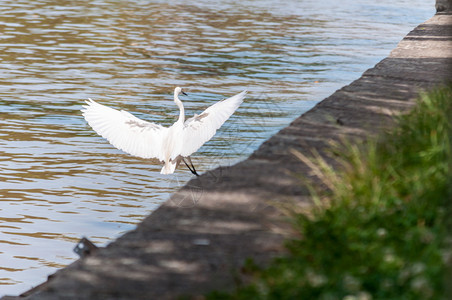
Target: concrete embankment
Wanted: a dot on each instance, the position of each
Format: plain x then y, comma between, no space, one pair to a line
199,239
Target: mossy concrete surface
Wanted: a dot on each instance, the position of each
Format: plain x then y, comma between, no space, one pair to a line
200,238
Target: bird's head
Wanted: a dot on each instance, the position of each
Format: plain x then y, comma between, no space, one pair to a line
178,91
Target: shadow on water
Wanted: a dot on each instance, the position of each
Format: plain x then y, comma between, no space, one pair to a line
60,181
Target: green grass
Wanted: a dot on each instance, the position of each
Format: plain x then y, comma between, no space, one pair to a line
383,230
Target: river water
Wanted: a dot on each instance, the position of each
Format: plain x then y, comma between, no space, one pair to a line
59,181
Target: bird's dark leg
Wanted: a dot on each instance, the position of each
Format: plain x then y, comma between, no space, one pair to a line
192,168
187,165
196,173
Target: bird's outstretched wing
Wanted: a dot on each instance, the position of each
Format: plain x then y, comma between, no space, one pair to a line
201,128
125,131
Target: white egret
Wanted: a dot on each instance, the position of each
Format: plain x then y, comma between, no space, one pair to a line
170,145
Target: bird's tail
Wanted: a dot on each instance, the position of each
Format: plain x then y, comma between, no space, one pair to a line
169,167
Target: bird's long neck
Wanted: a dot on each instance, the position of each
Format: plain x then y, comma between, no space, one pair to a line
181,109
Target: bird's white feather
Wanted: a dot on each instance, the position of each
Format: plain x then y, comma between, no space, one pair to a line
125,131
201,128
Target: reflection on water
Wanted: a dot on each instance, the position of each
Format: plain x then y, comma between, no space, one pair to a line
59,181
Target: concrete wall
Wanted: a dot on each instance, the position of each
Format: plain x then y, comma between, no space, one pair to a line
443,5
